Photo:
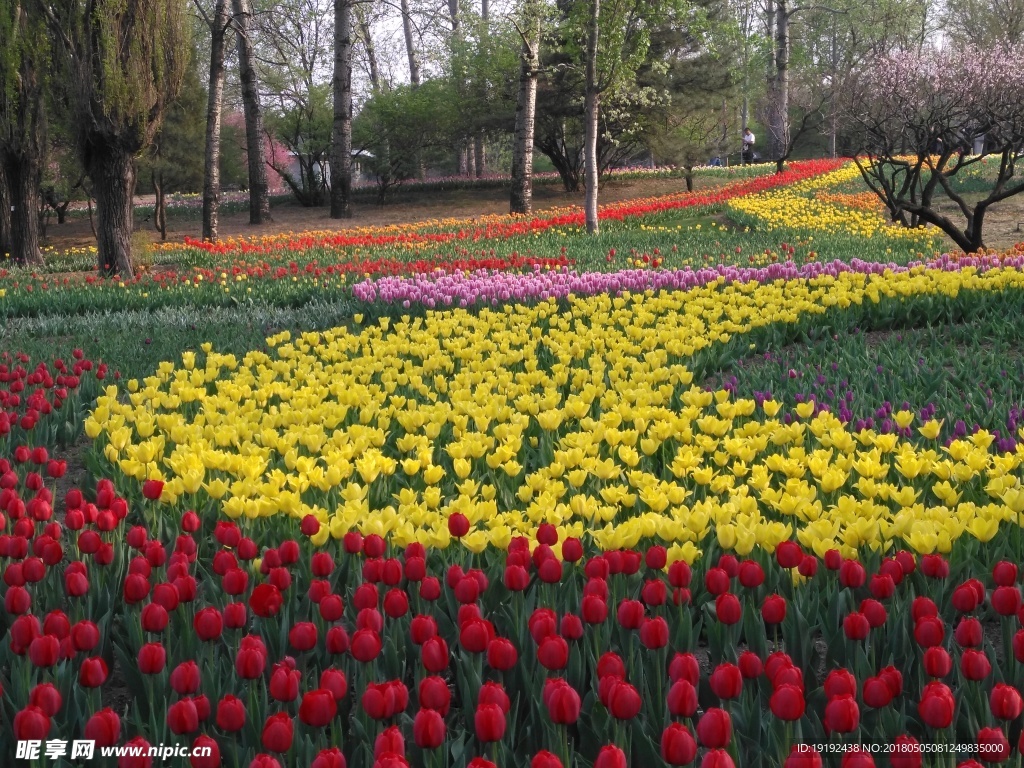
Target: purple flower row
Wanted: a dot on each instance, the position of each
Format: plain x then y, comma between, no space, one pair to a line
493,287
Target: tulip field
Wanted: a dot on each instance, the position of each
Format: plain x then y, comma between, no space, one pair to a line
737,482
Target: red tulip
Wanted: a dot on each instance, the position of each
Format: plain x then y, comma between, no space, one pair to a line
303,636
684,666
185,678
318,708
789,554
43,651
553,652
494,693
874,612
630,614
545,759
750,665
773,610
562,701
329,758
803,755
610,756
929,631
31,724
877,693
787,702
284,682
726,681
428,729
936,705
205,753
654,633
728,609
277,734
230,714
682,698
435,694
906,752
934,566
104,728
852,574
501,654
714,729
366,645
183,717
993,746
624,701
1006,702
46,697
975,665
265,600
140,759
489,722
93,673
842,715
678,746
152,489
716,581
1006,600
856,757
1004,573
968,633
391,741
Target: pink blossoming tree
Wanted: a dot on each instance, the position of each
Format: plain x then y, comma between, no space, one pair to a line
920,118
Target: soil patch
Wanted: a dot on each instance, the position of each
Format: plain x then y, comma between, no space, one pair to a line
408,207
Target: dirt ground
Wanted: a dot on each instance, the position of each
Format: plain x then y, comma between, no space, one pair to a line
1004,222
407,207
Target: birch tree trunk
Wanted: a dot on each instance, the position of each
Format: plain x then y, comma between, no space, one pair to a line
214,104
259,194
591,107
341,142
521,199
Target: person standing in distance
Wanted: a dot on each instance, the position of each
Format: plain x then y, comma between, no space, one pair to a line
748,146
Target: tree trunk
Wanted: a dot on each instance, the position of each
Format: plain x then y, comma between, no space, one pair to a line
521,199
371,51
470,158
5,217
410,45
480,154
779,108
23,175
591,105
259,194
688,175
341,141
160,206
214,105
112,171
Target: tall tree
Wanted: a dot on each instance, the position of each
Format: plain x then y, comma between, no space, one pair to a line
616,36
218,25
521,198
986,23
259,189
22,124
341,144
119,63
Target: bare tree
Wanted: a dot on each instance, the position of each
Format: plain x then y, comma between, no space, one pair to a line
918,117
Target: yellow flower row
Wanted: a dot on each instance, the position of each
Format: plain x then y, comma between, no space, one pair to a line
784,209
586,417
